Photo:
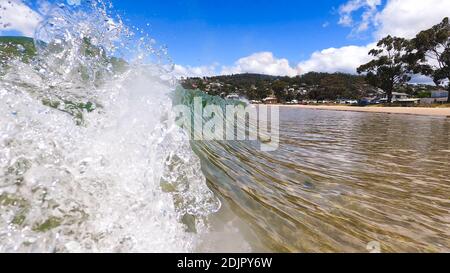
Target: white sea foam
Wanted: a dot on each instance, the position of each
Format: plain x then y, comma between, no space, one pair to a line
91,158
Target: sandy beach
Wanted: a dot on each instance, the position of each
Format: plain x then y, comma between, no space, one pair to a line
420,111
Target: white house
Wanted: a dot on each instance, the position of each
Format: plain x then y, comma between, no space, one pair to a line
233,97
270,100
437,96
399,96
396,97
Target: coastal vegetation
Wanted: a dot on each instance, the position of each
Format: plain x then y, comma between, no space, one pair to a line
388,69
429,53
16,47
395,61
310,86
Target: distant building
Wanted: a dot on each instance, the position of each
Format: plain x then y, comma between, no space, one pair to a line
408,102
351,102
233,97
343,101
399,96
396,97
439,94
302,91
270,100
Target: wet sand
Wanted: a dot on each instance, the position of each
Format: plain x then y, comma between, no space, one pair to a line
421,111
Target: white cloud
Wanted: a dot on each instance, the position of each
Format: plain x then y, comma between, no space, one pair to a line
194,71
421,79
405,18
262,63
397,17
369,7
344,59
16,15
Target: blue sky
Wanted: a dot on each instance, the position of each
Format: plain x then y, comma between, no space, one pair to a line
200,32
283,37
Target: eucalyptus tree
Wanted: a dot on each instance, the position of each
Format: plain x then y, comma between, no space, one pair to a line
429,53
389,68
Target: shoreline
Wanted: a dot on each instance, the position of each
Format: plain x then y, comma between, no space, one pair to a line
417,111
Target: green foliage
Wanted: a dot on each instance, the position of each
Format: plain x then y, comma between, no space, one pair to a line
338,86
253,85
279,90
16,47
429,53
318,86
389,68
423,95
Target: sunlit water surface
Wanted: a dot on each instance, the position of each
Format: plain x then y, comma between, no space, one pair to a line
339,182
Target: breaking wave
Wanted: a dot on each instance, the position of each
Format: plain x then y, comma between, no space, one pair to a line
91,158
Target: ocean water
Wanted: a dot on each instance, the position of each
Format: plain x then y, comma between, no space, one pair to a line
92,160
340,182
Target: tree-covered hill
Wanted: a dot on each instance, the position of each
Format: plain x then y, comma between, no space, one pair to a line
25,49
16,47
314,86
